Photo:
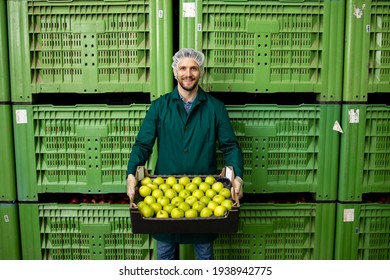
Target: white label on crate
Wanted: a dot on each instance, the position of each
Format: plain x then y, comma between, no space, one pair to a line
358,12
349,215
189,9
6,219
199,27
21,116
337,127
353,116
368,28
160,13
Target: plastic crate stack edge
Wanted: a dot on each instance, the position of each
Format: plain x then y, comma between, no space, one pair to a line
362,224
9,224
61,54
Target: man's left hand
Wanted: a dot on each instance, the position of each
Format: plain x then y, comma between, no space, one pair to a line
237,188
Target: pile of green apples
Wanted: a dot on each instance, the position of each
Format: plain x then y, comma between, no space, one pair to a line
183,197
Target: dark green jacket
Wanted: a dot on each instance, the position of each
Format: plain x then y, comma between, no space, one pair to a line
187,143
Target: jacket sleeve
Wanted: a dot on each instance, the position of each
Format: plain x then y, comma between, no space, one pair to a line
144,142
228,143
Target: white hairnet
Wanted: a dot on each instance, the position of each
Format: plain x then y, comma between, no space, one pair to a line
191,53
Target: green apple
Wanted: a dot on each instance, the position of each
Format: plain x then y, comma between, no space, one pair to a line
144,191
205,199
153,186
146,180
227,203
184,193
147,211
225,192
158,180
191,213
204,186
198,194
206,212
171,180
150,199
196,180
163,200
169,207
177,213
177,200
162,214
210,180
220,211
184,180
156,207
170,193
218,198
191,200
157,193
191,187
178,187
212,205
217,187
164,187
198,206
210,193
141,204
184,206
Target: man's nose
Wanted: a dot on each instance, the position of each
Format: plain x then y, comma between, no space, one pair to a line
188,72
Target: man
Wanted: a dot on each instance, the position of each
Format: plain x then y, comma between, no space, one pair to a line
187,123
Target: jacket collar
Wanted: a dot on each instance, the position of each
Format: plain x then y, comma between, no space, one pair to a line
201,96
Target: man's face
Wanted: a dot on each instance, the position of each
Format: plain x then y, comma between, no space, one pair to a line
188,74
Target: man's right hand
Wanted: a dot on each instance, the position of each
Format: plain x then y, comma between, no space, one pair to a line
131,183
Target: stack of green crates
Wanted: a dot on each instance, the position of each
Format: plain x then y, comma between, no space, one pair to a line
7,164
362,231
364,183
73,149
281,232
288,148
82,48
366,58
334,147
266,49
9,224
81,232
365,151
268,46
271,231
363,221
86,46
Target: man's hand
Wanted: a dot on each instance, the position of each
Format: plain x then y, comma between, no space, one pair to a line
131,183
237,188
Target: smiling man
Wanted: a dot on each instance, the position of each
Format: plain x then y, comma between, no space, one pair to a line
188,123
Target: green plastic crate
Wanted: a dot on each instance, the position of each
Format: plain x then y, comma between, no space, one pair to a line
288,148
362,232
7,158
9,232
268,46
80,232
364,151
302,231
367,49
83,46
66,149
5,93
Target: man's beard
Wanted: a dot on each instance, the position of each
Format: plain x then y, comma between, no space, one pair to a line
188,88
